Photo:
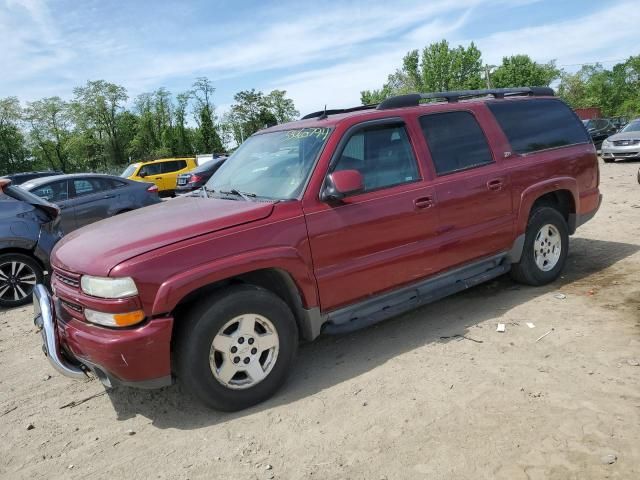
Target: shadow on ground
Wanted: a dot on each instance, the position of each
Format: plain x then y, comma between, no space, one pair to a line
331,360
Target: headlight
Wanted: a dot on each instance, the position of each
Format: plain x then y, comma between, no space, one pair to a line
105,287
606,143
114,319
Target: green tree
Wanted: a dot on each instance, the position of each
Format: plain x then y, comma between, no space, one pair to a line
13,151
208,140
522,71
282,108
439,68
96,106
183,143
49,120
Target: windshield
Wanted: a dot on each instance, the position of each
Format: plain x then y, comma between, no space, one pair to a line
632,127
129,171
272,165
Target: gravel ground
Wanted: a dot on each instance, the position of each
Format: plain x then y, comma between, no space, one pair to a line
436,393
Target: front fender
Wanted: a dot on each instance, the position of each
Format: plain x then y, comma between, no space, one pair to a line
288,259
535,191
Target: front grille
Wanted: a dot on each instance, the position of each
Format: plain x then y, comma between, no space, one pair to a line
71,306
624,143
67,279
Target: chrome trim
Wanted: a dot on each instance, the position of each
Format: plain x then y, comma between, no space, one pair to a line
45,321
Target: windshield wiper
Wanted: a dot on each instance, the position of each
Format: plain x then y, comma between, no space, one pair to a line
245,195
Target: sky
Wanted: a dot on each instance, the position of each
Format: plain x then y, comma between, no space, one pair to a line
321,52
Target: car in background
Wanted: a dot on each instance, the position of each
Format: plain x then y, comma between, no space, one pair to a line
163,172
29,228
623,145
20,178
599,129
188,182
86,198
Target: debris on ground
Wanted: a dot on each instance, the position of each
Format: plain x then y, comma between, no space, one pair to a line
542,336
457,335
633,363
8,411
131,432
501,328
530,325
608,459
30,426
560,296
75,403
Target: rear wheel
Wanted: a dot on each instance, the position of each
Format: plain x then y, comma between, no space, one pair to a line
545,248
236,349
19,274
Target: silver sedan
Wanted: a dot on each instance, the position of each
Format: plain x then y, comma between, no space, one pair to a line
624,144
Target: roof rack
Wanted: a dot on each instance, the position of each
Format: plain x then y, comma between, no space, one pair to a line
325,112
413,99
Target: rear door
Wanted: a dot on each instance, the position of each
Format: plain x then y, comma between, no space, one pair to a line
474,192
94,198
170,171
381,238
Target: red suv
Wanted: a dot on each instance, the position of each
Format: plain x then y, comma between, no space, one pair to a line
328,224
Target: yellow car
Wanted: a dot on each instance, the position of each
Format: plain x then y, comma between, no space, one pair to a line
163,172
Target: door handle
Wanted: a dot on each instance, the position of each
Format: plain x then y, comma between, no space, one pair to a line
423,202
158,178
109,196
495,184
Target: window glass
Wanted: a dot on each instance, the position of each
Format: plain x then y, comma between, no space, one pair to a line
538,124
129,171
102,184
173,166
383,156
83,187
456,141
151,169
52,192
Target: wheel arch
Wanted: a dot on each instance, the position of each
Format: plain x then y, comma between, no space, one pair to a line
560,193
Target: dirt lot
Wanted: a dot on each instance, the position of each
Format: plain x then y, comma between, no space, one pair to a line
436,393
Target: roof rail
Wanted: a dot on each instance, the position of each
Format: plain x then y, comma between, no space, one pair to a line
413,99
324,113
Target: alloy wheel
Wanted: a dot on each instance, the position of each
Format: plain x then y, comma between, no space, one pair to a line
17,281
547,247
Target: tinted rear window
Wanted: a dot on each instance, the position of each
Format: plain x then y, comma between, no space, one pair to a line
533,125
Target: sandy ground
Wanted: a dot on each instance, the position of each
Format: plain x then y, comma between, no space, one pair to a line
436,393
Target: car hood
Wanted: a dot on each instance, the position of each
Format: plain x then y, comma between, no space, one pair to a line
97,248
625,136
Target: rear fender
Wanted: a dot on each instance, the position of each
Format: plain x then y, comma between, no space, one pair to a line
533,192
174,289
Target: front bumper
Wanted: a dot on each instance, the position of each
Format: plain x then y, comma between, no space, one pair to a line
138,356
44,319
626,151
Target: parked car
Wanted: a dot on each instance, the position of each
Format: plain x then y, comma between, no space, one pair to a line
188,182
328,224
164,172
86,198
599,129
624,144
28,232
20,178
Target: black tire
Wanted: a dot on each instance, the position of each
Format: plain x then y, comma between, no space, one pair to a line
608,160
526,270
204,321
29,269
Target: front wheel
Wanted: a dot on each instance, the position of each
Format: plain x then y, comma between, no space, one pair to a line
18,277
545,248
236,349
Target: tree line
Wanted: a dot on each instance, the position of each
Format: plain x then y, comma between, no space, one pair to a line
441,67
98,130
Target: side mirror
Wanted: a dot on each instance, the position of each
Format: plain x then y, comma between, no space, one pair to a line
142,174
342,183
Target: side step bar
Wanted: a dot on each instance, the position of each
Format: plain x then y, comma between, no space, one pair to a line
382,307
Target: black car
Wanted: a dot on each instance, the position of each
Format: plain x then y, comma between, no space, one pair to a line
196,178
599,129
29,228
85,198
20,178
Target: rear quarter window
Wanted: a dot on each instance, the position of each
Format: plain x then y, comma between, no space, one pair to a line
540,124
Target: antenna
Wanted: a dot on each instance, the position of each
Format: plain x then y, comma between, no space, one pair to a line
324,114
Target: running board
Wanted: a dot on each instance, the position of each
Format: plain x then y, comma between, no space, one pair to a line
382,307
